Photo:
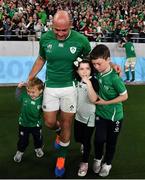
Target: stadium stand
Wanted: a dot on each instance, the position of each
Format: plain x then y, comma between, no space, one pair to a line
102,20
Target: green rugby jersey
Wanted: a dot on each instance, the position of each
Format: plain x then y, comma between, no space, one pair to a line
129,49
60,56
110,87
31,111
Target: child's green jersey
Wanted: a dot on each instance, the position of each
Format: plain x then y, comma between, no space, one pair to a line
110,87
31,111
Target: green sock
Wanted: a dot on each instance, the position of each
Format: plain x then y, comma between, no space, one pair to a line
133,75
127,75
62,151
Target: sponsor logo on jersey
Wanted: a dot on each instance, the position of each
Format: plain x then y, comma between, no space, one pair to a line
49,47
33,102
73,49
60,45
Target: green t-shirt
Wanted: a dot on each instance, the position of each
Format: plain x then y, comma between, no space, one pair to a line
31,111
129,49
43,16
110,87
60,56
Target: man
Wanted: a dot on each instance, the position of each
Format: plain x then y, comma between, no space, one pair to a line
130,58
59,48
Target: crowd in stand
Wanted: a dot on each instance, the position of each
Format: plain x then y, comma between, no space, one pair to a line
100,20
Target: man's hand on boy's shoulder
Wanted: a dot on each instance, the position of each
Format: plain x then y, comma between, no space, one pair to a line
117,68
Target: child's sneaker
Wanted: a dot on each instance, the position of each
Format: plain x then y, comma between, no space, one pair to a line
18,156
83,169
60,169
97,165
82,149
57,141
105,169
39,152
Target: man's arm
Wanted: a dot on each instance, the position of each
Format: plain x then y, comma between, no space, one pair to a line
39,63
117,68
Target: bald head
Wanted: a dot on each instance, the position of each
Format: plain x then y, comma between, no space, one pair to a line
61,15
61,24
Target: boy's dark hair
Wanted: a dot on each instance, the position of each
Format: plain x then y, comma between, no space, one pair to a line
100,51
36,82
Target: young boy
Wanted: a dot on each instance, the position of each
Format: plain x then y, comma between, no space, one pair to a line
30,119
109,111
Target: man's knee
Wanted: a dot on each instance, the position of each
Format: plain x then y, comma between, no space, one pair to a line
49,123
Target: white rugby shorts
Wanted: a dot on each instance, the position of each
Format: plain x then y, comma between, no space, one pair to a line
64,99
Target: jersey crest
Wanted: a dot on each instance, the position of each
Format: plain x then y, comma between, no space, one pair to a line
73,49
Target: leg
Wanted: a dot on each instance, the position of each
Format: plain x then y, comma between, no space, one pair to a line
50,119
87,131
68,108
66,125
87,142
127,70
100,137
37,137
99,142
22,143
23,138
50,107
132,67
38,140
112,135
78,127
52,123
113,129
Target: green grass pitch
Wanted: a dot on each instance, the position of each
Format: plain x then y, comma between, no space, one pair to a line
129,161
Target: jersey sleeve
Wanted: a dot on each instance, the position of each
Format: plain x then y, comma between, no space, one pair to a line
95,84
19,94
119,85
86,47
41,50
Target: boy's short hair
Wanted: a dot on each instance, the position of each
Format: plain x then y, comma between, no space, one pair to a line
100,51
36,82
